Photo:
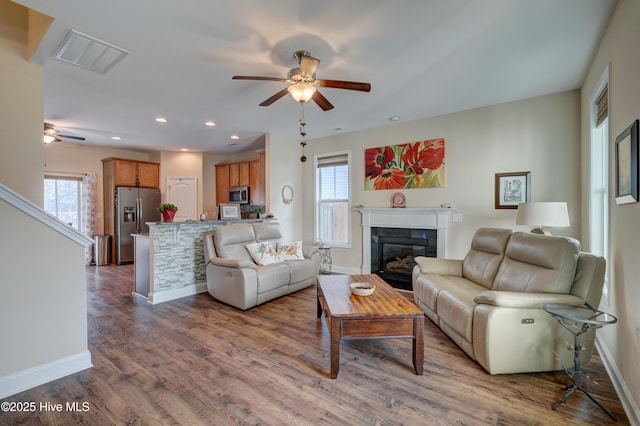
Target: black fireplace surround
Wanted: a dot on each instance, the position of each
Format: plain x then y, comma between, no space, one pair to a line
393,251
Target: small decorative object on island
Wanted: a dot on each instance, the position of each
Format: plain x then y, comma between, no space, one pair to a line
168,211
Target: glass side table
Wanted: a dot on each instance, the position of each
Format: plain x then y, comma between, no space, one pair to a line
578,320
325,260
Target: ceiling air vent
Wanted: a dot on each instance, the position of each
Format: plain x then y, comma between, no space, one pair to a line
88,52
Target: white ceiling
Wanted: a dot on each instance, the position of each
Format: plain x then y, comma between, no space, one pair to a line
422,57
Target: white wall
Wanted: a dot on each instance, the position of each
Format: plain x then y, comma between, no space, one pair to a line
21,107
540,135
617,49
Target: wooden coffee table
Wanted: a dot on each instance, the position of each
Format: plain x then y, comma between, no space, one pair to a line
384,314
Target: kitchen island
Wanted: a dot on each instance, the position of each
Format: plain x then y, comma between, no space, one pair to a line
175,258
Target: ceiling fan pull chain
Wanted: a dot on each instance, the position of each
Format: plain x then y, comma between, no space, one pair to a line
303,132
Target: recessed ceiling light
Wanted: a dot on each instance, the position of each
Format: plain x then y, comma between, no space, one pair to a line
394,118
337,129
184,149
210,123
116,138
161,120
235,137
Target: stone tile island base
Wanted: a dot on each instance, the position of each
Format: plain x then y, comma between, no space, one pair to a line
176,263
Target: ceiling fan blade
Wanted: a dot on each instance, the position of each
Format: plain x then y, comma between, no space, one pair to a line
322,101
78,138
350,85
249,77
275,97
308,65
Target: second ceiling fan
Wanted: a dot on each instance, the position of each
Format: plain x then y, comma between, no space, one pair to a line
51,134
302,83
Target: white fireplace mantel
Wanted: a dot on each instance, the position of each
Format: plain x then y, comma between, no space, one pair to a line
414,218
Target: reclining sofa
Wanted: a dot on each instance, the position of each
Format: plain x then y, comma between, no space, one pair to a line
238,279
490,303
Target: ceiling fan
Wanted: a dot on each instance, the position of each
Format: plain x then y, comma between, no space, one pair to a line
302,83
51,134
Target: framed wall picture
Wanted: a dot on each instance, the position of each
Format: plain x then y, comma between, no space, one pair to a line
627,165
512,189
229,211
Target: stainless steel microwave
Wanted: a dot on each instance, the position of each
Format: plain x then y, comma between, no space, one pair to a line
239,195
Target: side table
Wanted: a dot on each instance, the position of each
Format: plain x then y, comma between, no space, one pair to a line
325,260
578,320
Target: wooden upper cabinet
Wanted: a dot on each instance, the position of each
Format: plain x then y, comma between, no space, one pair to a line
243,175
222,183
133,173
239,174
124,172
149,175
255,178
234,174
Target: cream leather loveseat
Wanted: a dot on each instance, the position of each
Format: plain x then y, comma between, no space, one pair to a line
490,303
235,277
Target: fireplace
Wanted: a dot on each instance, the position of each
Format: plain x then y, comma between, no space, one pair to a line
393,252
414,224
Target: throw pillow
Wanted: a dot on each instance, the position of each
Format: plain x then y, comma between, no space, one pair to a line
290,251
263,253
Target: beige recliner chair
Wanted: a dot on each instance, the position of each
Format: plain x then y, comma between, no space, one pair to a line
490,303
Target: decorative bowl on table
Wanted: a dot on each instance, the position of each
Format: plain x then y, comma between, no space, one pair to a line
362,289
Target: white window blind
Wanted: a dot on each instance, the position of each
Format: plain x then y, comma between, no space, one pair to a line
332,223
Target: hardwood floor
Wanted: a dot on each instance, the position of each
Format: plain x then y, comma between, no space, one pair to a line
197,361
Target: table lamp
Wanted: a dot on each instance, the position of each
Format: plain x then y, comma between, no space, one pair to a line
542,214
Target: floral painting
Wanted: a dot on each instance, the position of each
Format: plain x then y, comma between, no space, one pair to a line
410,165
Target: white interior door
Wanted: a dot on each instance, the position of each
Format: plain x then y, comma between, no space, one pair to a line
182,191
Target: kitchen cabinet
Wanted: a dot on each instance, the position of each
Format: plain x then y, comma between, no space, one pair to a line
222,183
242,173
124,172
239,174
256,181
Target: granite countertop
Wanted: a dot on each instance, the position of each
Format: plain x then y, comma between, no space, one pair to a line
209,222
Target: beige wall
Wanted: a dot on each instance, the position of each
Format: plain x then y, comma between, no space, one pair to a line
618,50
75,158
43,303
284,168
540,135
21,107
186,164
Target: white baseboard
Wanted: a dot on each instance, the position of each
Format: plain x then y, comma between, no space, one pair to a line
626,398
345,270
45,373
177,293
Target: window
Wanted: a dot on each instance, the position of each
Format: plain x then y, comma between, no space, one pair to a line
62,198
599,188
332,198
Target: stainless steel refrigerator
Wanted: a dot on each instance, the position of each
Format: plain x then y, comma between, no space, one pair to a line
134,207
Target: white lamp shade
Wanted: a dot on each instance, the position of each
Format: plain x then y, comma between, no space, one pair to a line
543,214
301,92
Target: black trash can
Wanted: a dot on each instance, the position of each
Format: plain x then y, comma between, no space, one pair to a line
102,249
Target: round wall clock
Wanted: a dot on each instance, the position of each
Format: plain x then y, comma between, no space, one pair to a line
398,200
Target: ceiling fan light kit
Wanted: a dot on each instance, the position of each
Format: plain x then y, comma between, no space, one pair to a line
301,92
